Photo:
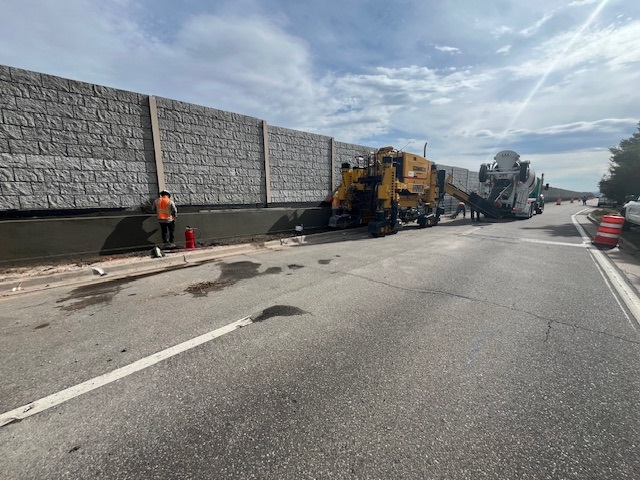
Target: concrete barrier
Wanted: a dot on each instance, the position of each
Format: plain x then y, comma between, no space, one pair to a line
50,239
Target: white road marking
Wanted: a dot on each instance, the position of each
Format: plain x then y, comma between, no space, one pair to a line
45,403
611,275
549,242
526,240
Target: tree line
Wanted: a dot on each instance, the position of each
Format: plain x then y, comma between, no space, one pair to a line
623,177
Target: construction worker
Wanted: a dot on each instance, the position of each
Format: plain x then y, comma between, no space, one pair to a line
461,208
167,213
474,212
335,203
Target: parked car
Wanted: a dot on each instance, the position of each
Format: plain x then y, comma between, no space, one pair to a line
631,213
607,202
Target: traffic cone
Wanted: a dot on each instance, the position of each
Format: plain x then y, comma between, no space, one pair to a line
609,231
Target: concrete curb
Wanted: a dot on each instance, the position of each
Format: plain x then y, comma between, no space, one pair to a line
116,269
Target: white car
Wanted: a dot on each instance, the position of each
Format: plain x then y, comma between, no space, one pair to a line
631,211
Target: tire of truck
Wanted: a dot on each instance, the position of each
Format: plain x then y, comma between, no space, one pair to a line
482,176
539,209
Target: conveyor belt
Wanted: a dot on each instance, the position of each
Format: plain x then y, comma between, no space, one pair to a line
474,200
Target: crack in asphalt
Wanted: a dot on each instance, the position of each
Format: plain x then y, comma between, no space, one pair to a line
546,335
465,297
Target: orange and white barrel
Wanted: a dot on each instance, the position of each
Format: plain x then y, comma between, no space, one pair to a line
609,231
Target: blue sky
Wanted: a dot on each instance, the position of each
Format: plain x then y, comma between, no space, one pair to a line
557,81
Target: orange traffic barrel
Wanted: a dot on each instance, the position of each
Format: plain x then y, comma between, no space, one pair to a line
559,201
609,231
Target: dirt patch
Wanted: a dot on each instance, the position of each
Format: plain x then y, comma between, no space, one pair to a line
231,274
201,289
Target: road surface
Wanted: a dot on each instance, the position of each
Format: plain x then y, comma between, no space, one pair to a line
500,349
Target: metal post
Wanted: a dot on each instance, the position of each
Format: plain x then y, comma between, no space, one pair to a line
267,168
157,150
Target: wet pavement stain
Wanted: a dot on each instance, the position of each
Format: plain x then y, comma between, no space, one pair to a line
231,274
44,325
278,311
324,262
94,294
295,266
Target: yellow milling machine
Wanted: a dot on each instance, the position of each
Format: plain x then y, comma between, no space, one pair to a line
394,188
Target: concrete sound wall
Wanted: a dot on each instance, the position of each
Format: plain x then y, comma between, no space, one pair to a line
68,145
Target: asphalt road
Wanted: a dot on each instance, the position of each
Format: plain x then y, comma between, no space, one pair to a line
490,350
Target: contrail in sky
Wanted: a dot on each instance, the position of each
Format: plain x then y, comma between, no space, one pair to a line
551,68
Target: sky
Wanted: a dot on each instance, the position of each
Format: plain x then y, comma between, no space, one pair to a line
558,81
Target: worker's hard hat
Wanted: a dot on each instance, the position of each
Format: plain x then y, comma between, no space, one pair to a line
164,192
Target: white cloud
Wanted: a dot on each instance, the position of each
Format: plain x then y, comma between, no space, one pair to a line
504,49
529,31
441,101
445,49
502,30
580,3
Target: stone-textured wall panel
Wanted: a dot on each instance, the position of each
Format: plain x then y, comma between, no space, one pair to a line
449,203
78,131
300,164
355,155
206,150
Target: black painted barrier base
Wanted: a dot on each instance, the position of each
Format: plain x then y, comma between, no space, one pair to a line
50,239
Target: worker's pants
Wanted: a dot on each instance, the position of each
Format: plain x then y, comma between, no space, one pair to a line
168,231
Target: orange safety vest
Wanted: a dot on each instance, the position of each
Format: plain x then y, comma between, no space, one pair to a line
163,206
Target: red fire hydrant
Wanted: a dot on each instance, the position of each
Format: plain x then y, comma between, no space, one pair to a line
189,238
